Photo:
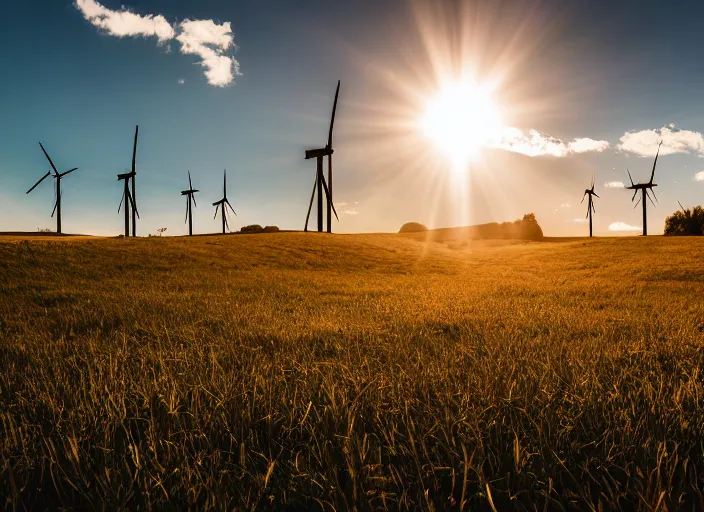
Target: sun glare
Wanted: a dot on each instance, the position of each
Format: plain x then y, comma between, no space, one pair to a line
460,119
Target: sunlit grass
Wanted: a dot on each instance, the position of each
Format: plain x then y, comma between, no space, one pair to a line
341,371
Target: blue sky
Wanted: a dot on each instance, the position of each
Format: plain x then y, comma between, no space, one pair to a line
614,77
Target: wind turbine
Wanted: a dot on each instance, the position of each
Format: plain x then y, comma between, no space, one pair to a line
590,206
190,199
128,201
57,176
644,187
320,183
222,204
130,197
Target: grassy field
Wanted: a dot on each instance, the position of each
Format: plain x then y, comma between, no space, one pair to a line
340,372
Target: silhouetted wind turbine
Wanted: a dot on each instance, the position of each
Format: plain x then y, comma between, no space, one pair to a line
320,183
129,197
644,187
128,200
57,176
134,183
590,206
223,204
190,199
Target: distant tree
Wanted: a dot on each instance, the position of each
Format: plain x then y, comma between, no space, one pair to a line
685,222
530,229
413,227
252,228
271,229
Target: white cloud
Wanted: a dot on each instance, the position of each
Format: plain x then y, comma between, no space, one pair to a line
614,184
181,81
536,143
585,145
208,40
580,221
645,142
124,23
699,176
622,226
204,38
351,212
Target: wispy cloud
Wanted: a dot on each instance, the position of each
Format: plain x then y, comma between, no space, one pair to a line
580,221
645,142
203,38
536,144
563,206
622,226
125,23
614,184
351,212
699,176
181,81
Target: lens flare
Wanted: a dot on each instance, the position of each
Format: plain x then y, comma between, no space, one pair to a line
460,119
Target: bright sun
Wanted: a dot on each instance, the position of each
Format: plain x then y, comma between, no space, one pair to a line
460,119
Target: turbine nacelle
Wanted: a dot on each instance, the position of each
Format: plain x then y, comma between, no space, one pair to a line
319,153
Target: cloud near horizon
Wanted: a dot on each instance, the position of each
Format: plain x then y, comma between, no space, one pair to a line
699,176
536,144
203,38
645,142
614,184
622,226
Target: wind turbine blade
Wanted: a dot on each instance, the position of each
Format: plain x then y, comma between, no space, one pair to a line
217,208
682,207
597,195
327,195
585,195
652,191
634,194
652,175
134,149
48,158
332,119
224,184
593,208
231,208
190,185
637,203
37,183
651,199
629,176
188,208
121,199
593,182
134,206
56,205
68,172
312,196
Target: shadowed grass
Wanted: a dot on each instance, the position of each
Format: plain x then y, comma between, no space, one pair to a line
310,371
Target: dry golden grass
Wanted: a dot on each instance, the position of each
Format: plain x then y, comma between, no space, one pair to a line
379,371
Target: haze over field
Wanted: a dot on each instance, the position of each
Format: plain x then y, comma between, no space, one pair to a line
512,111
